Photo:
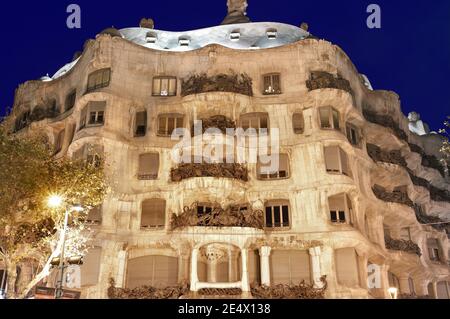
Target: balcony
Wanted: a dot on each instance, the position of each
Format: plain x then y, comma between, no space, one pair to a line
386,121
39,113
324,80
147,292
218,122
233,83
398,197
407,246
433,221
392,157
218,170
232,216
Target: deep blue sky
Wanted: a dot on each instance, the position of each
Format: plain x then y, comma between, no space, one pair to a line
409,55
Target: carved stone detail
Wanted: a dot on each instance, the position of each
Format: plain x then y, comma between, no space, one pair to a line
324,80
219,170
302,291
232,216
403,245
234,83
147,292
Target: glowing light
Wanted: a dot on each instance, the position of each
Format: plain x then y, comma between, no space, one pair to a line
393,292
54,201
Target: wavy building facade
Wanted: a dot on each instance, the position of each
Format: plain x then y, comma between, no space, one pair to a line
357,198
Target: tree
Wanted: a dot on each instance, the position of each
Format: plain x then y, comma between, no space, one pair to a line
29,229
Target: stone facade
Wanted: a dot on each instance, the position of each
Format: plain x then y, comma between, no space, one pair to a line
218,81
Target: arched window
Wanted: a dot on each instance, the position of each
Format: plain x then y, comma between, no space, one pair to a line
98,79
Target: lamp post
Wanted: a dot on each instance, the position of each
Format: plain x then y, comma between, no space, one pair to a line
56,201
393,292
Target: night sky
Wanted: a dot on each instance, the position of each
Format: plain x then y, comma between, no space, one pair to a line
410,54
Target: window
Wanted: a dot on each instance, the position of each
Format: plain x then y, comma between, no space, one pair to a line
272,34
98,79
393,280
442,290
434,249
329,118
153,214
70,100
412,289
272,84
405,234
290,267
148,166
93,114
92,154
347,267
164,86
235,35
353,135
257,121
140,126
151,37
90,270
336,161
153,271
280,173
340,209
277,214
167,123
94,216
204,209
298,123
59,141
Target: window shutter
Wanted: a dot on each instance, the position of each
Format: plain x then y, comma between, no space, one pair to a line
405,234
90,270
337,203
153,213
83,116
164,87
172,86
141,123
324,113
155,271
95,215
347,267
276,83
298,123
344,162
442,292
332,159
156,86
148,166
267,83
412,289
254,268
336,120
290,267
222,271
201,271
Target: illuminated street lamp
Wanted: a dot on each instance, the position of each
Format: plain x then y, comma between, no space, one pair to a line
56,201
393,292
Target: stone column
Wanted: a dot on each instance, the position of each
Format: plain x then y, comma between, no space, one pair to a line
264,253
421,287
211,268
183,266
315,265
328,269
404,285
435,291
385,281
245,282
233,269
194,274
122,261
